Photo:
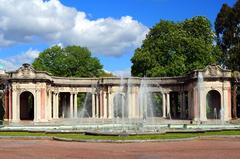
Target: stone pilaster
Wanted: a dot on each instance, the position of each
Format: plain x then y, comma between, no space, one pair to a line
110,98
49,105
15,106
97,106
163,105
168,105
71,104
37,105
55,105
93,106
105,104
226,106
75,105
202,105
10,104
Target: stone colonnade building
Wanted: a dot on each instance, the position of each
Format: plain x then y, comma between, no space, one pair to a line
35,95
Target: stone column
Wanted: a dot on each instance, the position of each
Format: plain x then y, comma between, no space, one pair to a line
202,105
71,104
226,106
190,106
75,105
6,104
55,105
97,105
135,103
101,104
163,105
93,105
105,104
10,103
129,104
49,106
110,106
168,105
37,106
195,104
15,106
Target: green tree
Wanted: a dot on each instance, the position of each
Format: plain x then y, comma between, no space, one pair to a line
172,49
227,26
71,61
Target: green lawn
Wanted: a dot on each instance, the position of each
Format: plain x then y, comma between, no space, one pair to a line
134,137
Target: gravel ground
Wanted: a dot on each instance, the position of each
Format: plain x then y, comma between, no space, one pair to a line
214,148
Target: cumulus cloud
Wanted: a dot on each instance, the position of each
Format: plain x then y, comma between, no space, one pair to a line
14,62
32,20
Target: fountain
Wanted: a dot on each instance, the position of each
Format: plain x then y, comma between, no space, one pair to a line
145,112
145,104
83,112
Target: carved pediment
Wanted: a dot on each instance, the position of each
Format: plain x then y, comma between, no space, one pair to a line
215,71
26,71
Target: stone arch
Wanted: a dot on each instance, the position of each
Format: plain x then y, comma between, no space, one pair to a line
213,104
26,105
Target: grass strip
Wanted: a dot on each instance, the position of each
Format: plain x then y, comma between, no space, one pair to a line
133,137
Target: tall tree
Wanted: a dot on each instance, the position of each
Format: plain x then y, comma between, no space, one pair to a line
71,61
172,49
227,26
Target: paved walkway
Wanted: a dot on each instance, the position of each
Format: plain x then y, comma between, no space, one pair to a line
218,148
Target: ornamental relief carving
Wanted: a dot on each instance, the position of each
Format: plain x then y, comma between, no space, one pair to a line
213,70
26,71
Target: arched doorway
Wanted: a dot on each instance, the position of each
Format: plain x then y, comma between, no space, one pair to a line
26,106
213,106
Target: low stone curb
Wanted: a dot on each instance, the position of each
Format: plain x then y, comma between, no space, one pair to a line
122,141
142,141
219,136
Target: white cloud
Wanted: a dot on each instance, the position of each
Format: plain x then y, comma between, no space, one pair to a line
122,73
14,62
31,20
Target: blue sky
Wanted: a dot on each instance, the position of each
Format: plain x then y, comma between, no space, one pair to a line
111,29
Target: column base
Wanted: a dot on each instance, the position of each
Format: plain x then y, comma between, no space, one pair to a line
15,120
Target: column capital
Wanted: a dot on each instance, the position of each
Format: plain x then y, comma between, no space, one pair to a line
56,92
167,92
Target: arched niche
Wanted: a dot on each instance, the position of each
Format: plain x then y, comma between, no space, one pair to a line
26,106
213,107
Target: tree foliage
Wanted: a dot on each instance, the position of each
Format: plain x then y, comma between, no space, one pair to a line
172,49
71,61
227,26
